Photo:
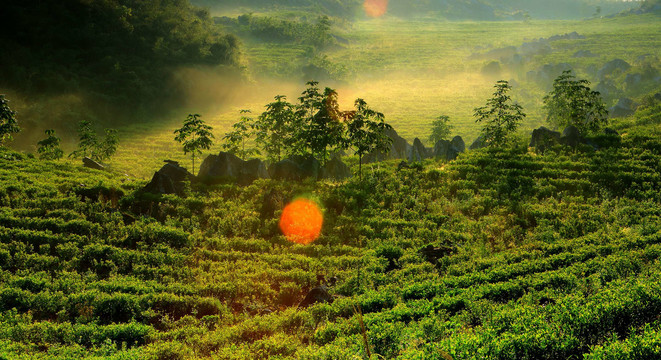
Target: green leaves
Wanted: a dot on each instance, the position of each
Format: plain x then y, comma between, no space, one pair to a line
572,102
49,148
195,136
440,129
500,116
235,140
275,128
89,144
366,131
8,124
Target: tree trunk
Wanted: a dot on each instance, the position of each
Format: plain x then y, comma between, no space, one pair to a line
193,169
360,168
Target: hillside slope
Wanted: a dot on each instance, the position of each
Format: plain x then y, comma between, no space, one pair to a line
533,256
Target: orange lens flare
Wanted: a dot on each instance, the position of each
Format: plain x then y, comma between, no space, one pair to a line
375,8
301,221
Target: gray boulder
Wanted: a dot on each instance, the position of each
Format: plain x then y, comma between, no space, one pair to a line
542,138
607,89
458,143
296,168
611,67
229,167
399,149
478,143
89,163
445,150
624,107
318,294
285,170
335,169
252,170
169,180
418,152
571,136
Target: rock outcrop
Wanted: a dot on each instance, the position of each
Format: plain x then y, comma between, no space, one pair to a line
542,138
611,67
446,150
296,168
89,163
399,149
229,167
418,152
478,143
335,169
571,136
624,107
169,180
458,143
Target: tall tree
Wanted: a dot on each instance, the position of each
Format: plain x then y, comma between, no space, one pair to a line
87,140
194,136
235,140
49,148
90,146
572,102
8,123
274,128
323,134
366,132
500,116
440,129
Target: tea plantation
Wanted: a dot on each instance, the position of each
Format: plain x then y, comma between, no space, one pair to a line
501,254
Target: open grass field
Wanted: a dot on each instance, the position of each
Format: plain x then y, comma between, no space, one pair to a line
412,71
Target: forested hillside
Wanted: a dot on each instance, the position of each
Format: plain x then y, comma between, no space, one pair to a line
109,59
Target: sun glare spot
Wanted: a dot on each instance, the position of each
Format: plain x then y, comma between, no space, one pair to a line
301,221
375,8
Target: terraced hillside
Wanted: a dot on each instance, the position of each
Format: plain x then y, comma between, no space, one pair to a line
501,254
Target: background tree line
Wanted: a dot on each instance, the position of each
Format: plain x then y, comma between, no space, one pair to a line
117,52
314,126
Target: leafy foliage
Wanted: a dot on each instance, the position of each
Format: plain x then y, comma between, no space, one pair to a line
562,246
440,129
194,136
90,146
324,130
366,132
274,128
500,117
8,123
49,148
571,102
235,140
119,53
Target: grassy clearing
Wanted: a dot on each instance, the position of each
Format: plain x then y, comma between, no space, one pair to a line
412,71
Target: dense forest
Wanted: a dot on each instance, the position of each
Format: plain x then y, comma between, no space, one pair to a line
117,55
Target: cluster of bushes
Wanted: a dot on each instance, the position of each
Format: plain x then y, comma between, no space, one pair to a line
538,255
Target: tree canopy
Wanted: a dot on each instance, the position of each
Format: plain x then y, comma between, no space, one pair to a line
500,116
8,123
194,136
572,102
118,52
